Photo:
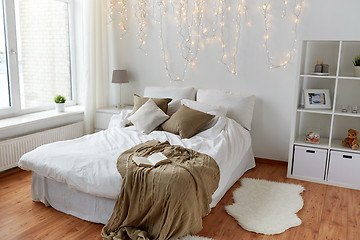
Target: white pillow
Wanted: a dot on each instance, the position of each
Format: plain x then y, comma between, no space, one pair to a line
173,106
148,117
204,107
240,106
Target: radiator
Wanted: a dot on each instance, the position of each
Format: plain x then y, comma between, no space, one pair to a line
11,150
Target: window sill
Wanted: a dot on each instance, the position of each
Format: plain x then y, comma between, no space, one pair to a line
34,122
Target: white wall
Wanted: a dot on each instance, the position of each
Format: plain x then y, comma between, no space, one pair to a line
274,88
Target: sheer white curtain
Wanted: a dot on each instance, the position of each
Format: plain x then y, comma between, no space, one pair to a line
95,45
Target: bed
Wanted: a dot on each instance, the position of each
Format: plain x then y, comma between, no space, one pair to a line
79,177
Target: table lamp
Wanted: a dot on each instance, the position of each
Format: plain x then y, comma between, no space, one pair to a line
120,76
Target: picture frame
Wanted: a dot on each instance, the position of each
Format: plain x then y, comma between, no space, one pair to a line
317,99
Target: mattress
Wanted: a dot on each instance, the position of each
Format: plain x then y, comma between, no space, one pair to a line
84,170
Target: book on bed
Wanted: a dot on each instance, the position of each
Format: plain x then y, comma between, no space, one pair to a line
155,159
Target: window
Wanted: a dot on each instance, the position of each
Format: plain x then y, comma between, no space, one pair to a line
39,45
4,80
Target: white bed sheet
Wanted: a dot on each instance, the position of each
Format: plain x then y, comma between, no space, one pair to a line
88,164
98,209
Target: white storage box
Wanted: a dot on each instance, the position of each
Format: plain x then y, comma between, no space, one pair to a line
344,168
309,162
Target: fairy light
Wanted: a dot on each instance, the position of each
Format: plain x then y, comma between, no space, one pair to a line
284,9
141,14
297,12
244,12
189,24
198,23
209,30
120,8
230,51
163,10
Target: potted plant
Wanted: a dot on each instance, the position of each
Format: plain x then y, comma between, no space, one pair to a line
356,63
60,103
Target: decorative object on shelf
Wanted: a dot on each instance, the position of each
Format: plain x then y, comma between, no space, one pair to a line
120,76
351,140
318,66
317,99
321,68
354,109
325,68
312,135
356,63
344,108
60,103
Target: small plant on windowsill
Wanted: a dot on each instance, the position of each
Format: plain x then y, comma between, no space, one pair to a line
60,103
356,63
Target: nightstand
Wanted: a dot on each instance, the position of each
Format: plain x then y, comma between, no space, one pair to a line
103,116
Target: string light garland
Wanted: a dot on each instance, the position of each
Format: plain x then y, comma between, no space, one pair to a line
189,24
119,8
188,29
201,22
192,44
209,31
142,15
284,9
163,11
228,57
297,11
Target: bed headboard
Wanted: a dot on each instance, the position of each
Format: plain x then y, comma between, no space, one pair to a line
174,93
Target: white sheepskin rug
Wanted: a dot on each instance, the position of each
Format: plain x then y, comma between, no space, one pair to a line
190,237
266,207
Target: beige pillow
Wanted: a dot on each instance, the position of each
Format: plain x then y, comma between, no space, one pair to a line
148,117
162,103
186,122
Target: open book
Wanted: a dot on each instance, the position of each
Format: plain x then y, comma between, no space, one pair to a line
155,159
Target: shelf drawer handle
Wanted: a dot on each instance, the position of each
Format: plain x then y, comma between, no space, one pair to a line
347,156
310,151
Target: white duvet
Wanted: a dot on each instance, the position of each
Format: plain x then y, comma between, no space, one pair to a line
88,164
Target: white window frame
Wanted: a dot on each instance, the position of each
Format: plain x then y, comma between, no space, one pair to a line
13,69
12,61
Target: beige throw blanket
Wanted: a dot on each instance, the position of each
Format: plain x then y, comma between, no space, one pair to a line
162,202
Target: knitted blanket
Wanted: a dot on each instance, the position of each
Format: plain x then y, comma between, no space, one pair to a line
164,202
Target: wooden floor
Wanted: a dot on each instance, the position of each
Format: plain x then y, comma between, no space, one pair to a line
329,213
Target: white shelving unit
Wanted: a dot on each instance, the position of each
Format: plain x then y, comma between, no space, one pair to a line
344,89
